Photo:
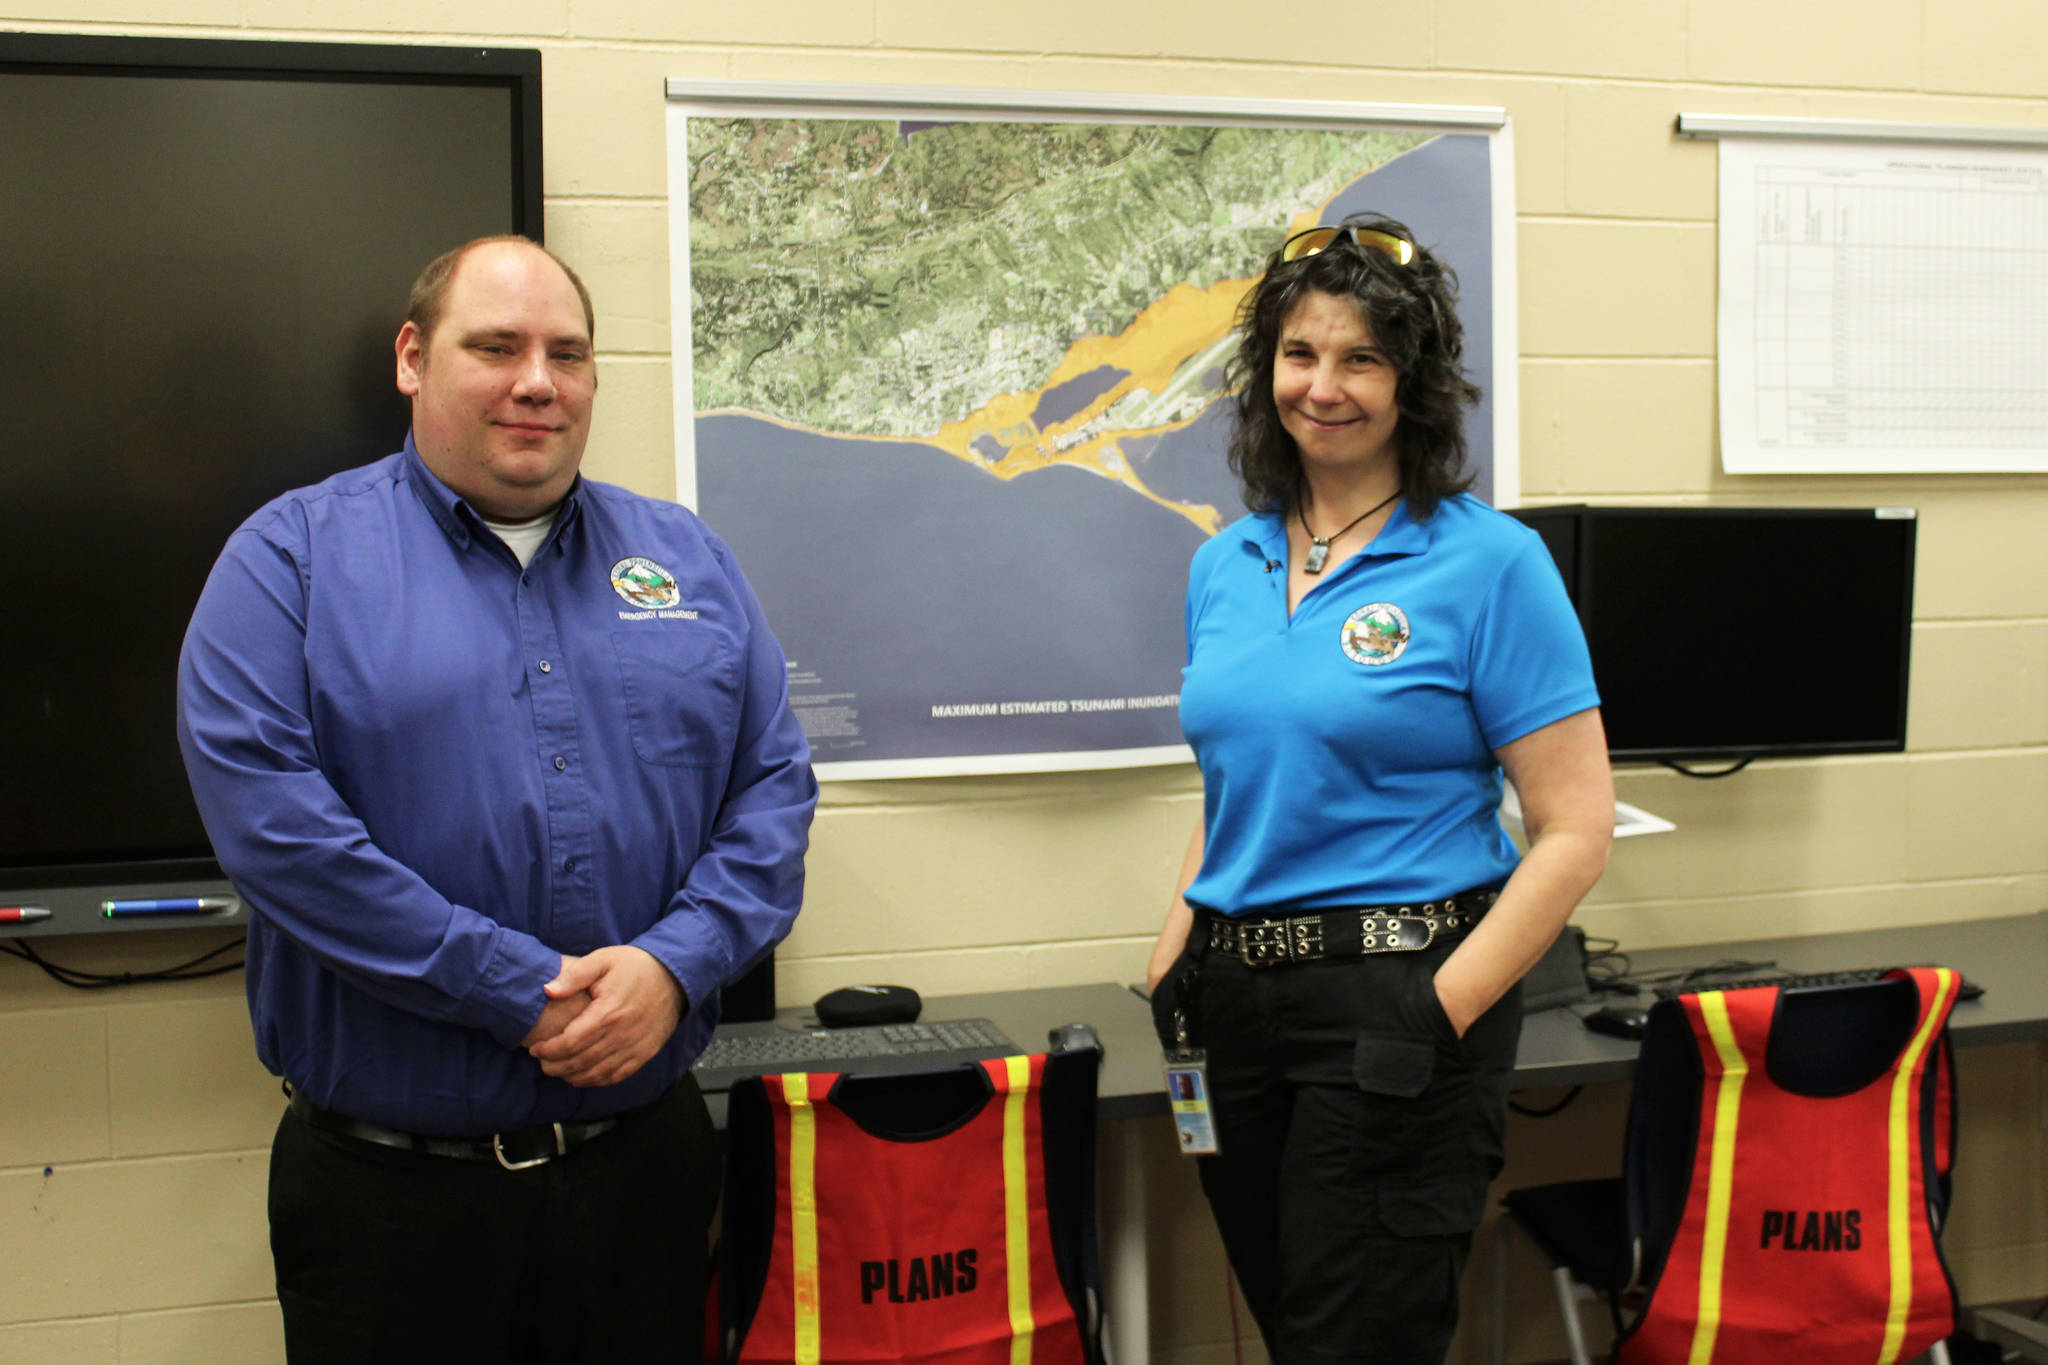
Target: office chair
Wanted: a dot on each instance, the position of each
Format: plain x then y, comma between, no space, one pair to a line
1784,1175
921,1216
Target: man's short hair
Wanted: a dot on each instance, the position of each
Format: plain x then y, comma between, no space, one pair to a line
429,297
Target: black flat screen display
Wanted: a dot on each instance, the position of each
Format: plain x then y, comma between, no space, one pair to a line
1732,632
208,247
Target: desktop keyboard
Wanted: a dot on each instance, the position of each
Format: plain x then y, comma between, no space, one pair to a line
1791,981
760,1049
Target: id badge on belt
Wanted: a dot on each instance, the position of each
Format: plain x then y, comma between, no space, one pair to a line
1187,1091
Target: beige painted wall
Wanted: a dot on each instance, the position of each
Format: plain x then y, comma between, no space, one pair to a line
133,1124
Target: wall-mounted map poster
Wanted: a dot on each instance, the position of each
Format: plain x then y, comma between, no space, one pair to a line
955,390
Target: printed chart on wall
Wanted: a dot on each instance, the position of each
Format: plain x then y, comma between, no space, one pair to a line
1884,307
952,383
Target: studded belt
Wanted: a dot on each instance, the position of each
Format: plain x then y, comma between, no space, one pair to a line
515,1151
1350,932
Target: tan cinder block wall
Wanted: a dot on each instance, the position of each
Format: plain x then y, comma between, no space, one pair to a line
134,1123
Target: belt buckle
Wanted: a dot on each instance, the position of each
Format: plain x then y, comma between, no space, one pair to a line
1263,943
527,1163
1269,943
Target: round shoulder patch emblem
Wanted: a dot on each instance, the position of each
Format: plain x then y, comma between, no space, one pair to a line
645,583
1375,635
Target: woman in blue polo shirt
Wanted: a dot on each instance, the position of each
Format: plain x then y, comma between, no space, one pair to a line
1367,651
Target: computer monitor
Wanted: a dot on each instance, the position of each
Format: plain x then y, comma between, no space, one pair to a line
1742,632
208,249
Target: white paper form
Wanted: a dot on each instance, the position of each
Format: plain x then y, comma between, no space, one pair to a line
1883,307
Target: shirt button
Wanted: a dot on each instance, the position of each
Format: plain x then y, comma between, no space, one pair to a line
568,865
546,667
560,763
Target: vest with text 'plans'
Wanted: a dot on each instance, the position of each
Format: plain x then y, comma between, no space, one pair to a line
1806,1228
937,1218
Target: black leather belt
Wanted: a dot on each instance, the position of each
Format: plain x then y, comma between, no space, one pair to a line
515,1151
1350,932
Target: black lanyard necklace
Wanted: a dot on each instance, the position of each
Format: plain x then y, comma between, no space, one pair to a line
1319,546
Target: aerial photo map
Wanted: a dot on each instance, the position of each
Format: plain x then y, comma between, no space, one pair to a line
960,402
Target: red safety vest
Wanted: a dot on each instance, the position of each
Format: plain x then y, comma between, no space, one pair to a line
931,1252
1807,1233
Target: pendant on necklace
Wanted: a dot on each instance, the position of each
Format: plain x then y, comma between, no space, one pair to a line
1318,555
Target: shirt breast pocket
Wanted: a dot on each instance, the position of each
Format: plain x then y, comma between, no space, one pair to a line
682,692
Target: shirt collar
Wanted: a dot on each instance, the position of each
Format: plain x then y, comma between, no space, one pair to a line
458,520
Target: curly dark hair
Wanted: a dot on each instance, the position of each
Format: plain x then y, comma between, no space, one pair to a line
1412,311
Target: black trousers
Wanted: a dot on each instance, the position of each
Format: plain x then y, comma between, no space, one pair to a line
597,1257
1359,1135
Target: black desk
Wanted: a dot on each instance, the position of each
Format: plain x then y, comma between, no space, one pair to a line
2007,957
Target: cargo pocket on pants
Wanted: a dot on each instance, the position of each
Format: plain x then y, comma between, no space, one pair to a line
1395,1073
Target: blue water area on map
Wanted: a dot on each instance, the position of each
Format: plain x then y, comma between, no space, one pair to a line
1188,464
1063,400
910,579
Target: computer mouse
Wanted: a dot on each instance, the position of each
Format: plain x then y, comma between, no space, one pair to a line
855,1005
1072,1038
1623,1021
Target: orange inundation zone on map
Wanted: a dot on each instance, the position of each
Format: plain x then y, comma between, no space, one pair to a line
1162,353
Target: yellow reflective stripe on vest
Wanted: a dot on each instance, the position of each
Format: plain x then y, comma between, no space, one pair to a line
803,1214
1017,1210
1899,1213
1720,1173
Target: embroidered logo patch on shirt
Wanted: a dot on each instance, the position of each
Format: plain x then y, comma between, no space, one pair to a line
645,584
1375,634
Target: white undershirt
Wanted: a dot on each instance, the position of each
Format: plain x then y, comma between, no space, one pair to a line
523,538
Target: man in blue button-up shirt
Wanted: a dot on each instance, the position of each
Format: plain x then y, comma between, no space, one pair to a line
502,761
